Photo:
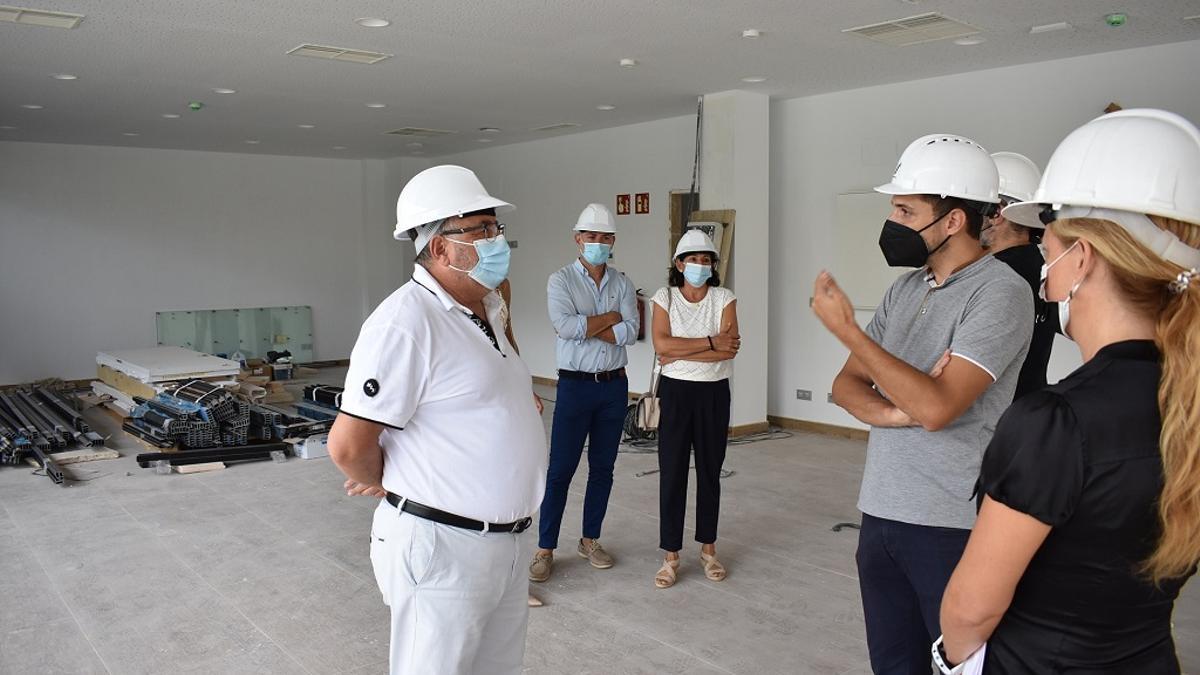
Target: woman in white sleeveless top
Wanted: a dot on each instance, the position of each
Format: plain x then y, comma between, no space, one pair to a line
696,338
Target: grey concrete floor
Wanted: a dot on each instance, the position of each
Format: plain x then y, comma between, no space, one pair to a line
263,568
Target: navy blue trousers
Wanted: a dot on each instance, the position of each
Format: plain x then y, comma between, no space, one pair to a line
591,412
903,570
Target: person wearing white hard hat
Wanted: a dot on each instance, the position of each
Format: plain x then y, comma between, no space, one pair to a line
930,374
1089,522
438,419
1017,246
696,337
593,308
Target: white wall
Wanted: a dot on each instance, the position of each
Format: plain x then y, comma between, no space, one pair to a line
388,263
849,141
550,181
94,240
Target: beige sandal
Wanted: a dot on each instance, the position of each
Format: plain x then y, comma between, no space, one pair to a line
665,578
713,569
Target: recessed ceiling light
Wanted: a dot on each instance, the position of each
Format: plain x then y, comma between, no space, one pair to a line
171,116
32,106
253,142
339,147
64,76
307,126
224,90
752,33
372,23
968,41
7,128
606,107
1050,27
484,140
755,79
131,133
416,145
489,130
629,63
376,105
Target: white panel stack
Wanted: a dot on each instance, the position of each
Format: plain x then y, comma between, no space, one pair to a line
165,364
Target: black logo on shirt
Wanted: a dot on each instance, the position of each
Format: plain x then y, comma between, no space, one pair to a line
371,387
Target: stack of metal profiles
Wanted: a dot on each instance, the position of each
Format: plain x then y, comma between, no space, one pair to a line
321,401
196,414
36,421
263,422
283,424
326,395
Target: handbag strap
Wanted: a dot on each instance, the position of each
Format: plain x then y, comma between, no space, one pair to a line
655,369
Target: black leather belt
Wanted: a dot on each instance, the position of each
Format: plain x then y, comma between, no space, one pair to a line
594,377
439,516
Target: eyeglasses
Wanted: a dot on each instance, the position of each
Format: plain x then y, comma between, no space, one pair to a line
490,230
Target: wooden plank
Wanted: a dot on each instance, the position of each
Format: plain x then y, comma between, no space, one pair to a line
199,468
86,455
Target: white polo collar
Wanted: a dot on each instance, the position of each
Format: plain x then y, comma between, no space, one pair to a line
426,280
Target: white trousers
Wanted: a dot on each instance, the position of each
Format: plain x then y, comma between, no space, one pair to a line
458,598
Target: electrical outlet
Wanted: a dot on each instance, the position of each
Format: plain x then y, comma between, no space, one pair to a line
804,394
514,243
829,398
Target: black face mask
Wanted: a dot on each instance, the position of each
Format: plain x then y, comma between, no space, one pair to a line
904,247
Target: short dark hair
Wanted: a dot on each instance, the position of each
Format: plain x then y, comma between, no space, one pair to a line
675,277
974,210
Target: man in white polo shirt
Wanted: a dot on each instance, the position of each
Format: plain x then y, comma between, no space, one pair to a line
438,415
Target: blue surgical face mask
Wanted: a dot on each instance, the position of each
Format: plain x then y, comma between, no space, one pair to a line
494,256
697,275
596,253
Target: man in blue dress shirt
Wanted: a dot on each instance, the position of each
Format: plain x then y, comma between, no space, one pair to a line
594,311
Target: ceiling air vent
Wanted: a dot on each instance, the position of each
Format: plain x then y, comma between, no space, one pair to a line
419,132
558,127
39,17
915,30
339,54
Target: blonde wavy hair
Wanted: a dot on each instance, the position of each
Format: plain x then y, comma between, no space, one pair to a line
1144,279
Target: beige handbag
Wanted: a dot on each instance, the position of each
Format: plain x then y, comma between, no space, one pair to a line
648,404
648,408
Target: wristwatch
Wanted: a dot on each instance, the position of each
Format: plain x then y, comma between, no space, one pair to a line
940,660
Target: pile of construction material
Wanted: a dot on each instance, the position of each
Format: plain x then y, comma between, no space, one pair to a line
37,422
146,373
206,410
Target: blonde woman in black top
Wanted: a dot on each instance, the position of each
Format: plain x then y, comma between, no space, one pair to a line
1089,520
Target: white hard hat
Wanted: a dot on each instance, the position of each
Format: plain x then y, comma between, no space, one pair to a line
695,241
948,166
1019,176
441,192
1120,167
596,218
1139,160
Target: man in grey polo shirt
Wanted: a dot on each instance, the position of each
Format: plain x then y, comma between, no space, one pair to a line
931,374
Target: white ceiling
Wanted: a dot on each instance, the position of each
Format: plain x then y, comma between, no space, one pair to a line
459,65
